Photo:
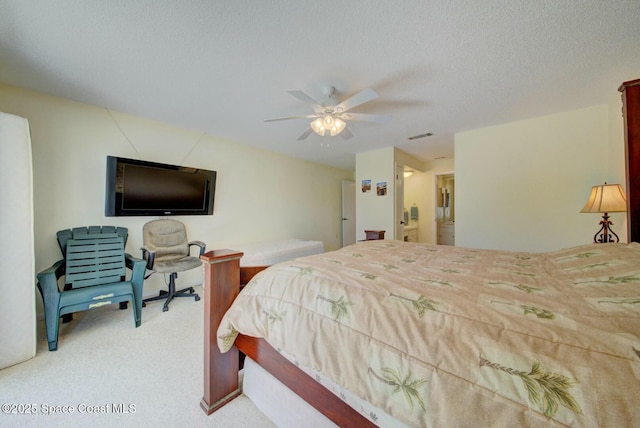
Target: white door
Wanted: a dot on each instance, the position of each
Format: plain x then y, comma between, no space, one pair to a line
348,212
17,306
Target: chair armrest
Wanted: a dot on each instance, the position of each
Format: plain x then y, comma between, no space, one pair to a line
137,267
149,256
56,269
48,279
200,244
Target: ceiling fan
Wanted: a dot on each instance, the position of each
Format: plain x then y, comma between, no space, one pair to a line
331,117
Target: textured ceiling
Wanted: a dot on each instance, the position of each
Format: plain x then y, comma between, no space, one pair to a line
224,67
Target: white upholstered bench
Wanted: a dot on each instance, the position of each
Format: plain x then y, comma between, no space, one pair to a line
257,256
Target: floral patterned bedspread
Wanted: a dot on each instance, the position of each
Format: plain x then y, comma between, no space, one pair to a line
448,336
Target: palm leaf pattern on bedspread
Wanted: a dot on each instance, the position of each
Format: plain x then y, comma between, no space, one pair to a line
546,389
405,384
339,306
404,324
422,304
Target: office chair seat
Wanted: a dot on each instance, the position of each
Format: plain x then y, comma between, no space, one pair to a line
177,265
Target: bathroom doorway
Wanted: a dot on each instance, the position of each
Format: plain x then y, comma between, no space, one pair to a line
445,215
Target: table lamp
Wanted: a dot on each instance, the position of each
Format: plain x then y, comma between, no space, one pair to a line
605,199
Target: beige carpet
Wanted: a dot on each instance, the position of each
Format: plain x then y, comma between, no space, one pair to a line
110,373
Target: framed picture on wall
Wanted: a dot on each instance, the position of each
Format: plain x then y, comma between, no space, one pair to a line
366,186
381,188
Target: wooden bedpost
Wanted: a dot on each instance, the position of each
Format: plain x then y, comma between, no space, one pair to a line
221,287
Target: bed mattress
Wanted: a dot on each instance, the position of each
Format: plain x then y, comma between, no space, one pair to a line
273,252
286,409
441,336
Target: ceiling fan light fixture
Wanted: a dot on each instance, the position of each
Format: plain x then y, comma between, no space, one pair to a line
338,127
328,122
318,127
332,117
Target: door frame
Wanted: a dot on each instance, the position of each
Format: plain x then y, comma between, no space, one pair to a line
398,212
348,219
435,201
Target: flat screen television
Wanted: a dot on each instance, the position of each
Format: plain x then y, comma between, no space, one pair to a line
141,188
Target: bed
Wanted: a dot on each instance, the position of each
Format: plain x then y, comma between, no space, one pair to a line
437,335
256,256
269,253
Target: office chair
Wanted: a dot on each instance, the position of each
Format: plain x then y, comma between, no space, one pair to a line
167,250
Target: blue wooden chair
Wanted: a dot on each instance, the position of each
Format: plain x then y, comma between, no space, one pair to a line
94,268
66,234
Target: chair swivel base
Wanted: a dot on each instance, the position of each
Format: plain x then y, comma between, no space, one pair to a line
169,295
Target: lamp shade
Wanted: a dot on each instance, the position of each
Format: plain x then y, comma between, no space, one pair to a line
606,198
317,127
337,127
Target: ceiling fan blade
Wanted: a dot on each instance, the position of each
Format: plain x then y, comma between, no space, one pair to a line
306,99
366,117
361,97
305,134
346,134
308,116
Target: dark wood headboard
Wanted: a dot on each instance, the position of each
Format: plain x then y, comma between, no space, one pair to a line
631,114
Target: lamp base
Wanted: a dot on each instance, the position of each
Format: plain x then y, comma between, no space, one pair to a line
605,234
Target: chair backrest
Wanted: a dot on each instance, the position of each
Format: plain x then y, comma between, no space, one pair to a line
168,238
94,259
65,235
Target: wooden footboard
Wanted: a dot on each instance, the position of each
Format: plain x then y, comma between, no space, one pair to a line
221,287
246,273
222,275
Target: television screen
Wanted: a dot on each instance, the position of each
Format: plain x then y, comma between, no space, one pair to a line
141,188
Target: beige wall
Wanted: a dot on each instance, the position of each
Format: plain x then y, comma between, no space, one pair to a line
375,212
518,186
259,195
521,186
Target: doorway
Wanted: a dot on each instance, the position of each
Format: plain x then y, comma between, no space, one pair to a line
348,212
445,215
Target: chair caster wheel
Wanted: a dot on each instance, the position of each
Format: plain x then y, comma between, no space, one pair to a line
165,309
197,298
